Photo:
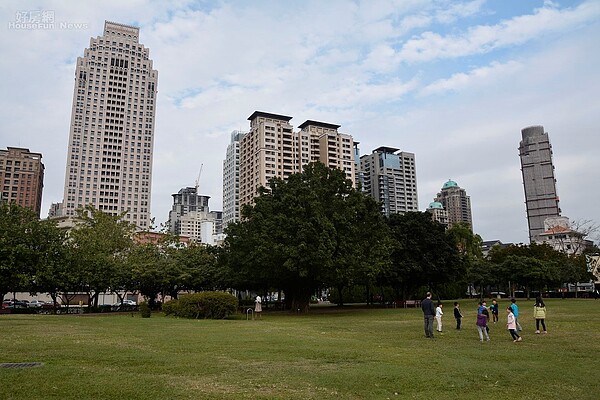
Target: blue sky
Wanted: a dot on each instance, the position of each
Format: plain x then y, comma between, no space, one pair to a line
452,81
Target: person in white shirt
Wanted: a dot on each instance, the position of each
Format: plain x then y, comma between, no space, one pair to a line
438,316
258,307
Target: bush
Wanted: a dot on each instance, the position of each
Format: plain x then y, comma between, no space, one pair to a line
145,311
213,305
170,307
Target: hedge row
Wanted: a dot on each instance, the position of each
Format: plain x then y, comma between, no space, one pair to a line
212,305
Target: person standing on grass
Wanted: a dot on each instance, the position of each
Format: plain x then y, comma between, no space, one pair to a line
511,325
428,314
494,310
539,313
457,315
438,316
482,319
515,310
258,307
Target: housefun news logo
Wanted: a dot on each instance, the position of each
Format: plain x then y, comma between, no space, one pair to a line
42,19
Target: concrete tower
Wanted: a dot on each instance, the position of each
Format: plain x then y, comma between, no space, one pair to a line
231,180
390,177
457,204
22,177
539,183
111,139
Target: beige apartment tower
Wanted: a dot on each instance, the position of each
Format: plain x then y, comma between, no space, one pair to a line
272,149
111,139
22,178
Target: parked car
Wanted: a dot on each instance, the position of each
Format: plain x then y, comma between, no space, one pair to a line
125,303
14,304
36,303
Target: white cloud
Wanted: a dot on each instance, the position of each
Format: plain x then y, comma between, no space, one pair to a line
481,76
485,38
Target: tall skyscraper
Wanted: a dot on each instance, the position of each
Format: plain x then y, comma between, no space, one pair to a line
539,183
456,203
390,177
231,180
111,139
22,177
272,149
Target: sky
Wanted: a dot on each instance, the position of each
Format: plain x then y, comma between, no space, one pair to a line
452,81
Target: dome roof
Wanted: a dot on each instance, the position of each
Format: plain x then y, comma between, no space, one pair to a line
449,184
436,204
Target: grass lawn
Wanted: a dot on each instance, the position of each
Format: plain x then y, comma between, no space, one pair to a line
331,353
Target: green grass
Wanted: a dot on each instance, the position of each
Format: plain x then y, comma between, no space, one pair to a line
348,353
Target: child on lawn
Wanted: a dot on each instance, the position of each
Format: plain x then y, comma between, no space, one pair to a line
438,317
511,325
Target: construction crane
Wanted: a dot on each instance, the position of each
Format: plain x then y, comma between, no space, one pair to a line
198,178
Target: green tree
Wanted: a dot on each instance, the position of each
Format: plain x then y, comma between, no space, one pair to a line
422,253
100,243
311,231
19,251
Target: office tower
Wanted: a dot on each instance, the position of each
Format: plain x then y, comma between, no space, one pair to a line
456,203
390,177
438,214
111,139
539,184
231,180
272,149
190,216
22,177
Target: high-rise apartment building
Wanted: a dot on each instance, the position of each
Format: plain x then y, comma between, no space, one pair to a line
272,149
111,139
190,217
456,203
231,180
22,177
390,177
438,213
539,183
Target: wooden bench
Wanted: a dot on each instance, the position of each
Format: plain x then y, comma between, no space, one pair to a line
412,303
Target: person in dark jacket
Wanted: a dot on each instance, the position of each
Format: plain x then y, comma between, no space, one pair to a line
428,315
457,315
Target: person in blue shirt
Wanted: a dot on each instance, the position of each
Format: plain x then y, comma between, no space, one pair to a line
515,310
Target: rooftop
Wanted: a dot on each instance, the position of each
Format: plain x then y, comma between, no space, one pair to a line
310,122
257,114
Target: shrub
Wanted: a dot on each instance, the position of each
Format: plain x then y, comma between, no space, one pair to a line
145,311
170,307
213,305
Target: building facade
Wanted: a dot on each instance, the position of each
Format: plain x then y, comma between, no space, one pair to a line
271,149
438,214
190,217
539,183
457,204
390,177
111,139
231,180
22,178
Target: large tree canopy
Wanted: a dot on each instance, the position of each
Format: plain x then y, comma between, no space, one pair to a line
311,231
423,254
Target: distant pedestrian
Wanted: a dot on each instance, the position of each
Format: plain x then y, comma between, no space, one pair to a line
258,307
438,316
511,325
482,319
428,314
515,310
494,310
457,315
539,313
